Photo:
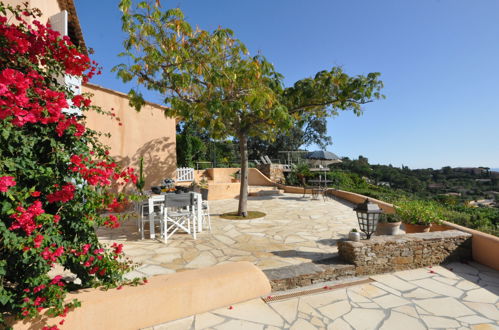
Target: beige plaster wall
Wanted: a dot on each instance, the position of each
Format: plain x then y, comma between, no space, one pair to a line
164,298
48,7
484,247
257,178
221,175
147,134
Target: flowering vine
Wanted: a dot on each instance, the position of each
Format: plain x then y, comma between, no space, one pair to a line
55,175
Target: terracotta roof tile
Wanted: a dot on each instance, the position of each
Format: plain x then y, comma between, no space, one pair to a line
74,28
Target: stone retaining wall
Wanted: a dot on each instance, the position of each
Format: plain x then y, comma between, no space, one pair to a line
275,172
383,254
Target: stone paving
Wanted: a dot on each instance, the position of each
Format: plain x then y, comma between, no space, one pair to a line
294,231
457,296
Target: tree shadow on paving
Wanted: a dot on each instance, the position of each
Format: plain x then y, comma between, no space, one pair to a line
298,199
332,241
128,231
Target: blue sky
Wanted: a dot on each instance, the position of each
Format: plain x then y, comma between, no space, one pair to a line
439,60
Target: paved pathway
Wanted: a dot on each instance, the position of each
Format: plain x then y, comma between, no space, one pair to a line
456,297
295,230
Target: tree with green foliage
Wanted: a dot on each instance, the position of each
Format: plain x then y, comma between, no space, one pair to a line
189,146
303,133
210,78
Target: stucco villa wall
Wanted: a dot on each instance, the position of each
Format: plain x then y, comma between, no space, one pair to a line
147,134
48,7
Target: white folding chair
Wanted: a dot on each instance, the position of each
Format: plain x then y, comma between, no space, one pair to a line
178,214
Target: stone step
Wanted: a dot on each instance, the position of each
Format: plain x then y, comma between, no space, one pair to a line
290,277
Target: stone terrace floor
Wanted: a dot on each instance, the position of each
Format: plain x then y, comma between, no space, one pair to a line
457,296
294,231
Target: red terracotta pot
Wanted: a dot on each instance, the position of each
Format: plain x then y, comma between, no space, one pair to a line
411,228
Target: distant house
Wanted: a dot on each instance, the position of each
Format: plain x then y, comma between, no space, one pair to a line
482,203
492,194
472,170
148,134
456,194
435,186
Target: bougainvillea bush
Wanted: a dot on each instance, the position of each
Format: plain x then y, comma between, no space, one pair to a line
55,176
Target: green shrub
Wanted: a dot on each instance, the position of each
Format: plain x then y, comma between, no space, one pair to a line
419,212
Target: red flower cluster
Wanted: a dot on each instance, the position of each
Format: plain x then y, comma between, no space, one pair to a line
6,182
44,42
51,256
127,175
112,222
66,122
38,240
118,248
42,105
114,205
64,195
96,173
26,97
100,173
25,218
78,100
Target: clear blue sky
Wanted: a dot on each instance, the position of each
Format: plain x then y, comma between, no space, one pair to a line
439,60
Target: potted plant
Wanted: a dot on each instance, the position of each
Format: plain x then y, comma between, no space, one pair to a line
354,235
236,176
194,186
140,180
388,224
418,215
203,185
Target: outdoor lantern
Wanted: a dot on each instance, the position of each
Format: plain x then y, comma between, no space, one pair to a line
368,216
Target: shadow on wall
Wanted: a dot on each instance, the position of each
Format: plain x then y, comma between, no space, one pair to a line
160,161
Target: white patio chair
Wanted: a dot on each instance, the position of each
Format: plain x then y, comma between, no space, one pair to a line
142,209
178,214
205,213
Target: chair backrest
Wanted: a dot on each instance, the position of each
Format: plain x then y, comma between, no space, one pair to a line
268,160
263,160
179,200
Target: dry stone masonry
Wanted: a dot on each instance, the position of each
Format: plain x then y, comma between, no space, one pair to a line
383,254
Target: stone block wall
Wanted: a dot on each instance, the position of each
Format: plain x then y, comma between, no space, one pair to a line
383,254
275,172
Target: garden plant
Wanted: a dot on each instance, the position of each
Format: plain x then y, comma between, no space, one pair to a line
55,176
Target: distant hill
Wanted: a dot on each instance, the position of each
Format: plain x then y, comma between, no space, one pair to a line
495,169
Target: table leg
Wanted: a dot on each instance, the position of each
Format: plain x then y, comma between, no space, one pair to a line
199,210
151,219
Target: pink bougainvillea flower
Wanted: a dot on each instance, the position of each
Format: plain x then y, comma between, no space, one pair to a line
64,195
6,182
38,240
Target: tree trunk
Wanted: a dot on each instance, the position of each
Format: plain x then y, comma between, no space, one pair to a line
243,192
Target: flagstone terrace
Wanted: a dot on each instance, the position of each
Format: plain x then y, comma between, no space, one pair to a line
295,230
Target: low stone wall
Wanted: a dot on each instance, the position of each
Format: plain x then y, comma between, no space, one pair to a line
383,254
